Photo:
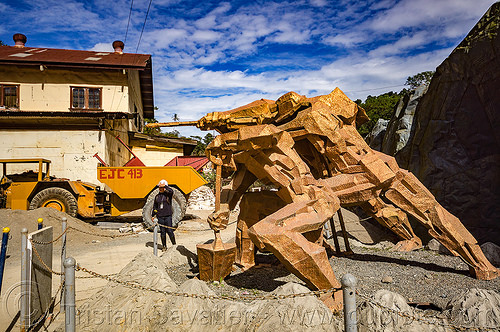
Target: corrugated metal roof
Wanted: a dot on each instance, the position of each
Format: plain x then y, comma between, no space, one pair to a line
195,162
30,55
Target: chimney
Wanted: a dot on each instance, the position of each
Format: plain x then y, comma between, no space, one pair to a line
20,39
118,45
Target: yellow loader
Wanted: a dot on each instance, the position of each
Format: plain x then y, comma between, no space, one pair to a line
130,188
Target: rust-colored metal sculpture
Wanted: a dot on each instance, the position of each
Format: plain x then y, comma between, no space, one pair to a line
215,260
310,150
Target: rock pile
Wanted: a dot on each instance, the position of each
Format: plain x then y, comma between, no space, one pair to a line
202,198
120,308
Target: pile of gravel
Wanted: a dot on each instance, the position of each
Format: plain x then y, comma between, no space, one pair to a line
434,290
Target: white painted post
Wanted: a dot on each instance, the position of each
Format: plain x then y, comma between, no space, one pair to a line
69,294
348,288
63,257
155,240
24,299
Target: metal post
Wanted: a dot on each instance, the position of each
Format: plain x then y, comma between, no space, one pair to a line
63,257
344,232
155,240
69,294
24,299
3,253
335,239
348,288
40,223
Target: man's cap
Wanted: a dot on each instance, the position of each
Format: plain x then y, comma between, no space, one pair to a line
163,183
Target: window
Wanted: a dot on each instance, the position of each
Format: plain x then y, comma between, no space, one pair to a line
9,96
86,98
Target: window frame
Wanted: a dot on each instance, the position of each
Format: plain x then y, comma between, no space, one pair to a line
2,95
86,99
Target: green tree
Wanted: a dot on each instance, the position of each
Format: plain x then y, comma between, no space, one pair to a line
157,131
151,131
414,81
378,107
202,144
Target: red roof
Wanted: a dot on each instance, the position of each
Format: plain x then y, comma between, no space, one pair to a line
40,55
195,162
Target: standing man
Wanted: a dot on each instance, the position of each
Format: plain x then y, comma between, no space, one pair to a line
162,208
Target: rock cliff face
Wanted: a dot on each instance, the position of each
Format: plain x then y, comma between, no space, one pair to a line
399,127
454,144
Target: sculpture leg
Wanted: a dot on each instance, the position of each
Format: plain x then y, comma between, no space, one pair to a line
409,194
396,220
357,190
254,206
282,234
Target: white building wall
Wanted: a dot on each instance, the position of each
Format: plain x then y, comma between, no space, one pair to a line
50,90
156,156
71,152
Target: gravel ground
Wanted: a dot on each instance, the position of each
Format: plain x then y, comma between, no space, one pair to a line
422,277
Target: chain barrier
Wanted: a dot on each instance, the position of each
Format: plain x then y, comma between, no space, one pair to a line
191,230
437,320
54,240
207,297
132,284
41,260
104,235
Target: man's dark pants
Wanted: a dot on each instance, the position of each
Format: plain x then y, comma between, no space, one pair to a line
166,221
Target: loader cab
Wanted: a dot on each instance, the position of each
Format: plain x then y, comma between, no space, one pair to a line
19,178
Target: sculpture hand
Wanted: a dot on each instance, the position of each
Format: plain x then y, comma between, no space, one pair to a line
218,220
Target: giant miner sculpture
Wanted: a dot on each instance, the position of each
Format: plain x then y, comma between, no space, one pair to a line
309,149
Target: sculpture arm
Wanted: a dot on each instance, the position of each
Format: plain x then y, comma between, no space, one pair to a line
230,195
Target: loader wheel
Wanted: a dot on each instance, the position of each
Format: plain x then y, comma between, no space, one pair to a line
57,198
178,208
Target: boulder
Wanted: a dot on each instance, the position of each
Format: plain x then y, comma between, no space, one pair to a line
475,308
492,253
398,129
454,144
376,136
434,245
382,312
366,231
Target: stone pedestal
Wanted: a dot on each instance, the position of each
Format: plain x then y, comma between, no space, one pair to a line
215,259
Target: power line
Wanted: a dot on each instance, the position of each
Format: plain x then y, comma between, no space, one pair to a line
140,37
129,15
384,87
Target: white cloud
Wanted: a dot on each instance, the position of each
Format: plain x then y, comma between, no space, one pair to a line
102,47
419,13
200,55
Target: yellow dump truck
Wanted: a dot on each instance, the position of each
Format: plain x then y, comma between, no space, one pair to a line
130,188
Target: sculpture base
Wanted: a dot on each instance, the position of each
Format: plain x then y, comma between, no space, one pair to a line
215,263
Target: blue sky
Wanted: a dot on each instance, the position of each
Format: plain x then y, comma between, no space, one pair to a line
216,55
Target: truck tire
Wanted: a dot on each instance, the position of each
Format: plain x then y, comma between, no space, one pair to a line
178,208
57,198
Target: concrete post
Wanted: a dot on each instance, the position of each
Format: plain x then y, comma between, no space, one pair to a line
63,257
69,294
155,240
24,303
348,288
3,253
